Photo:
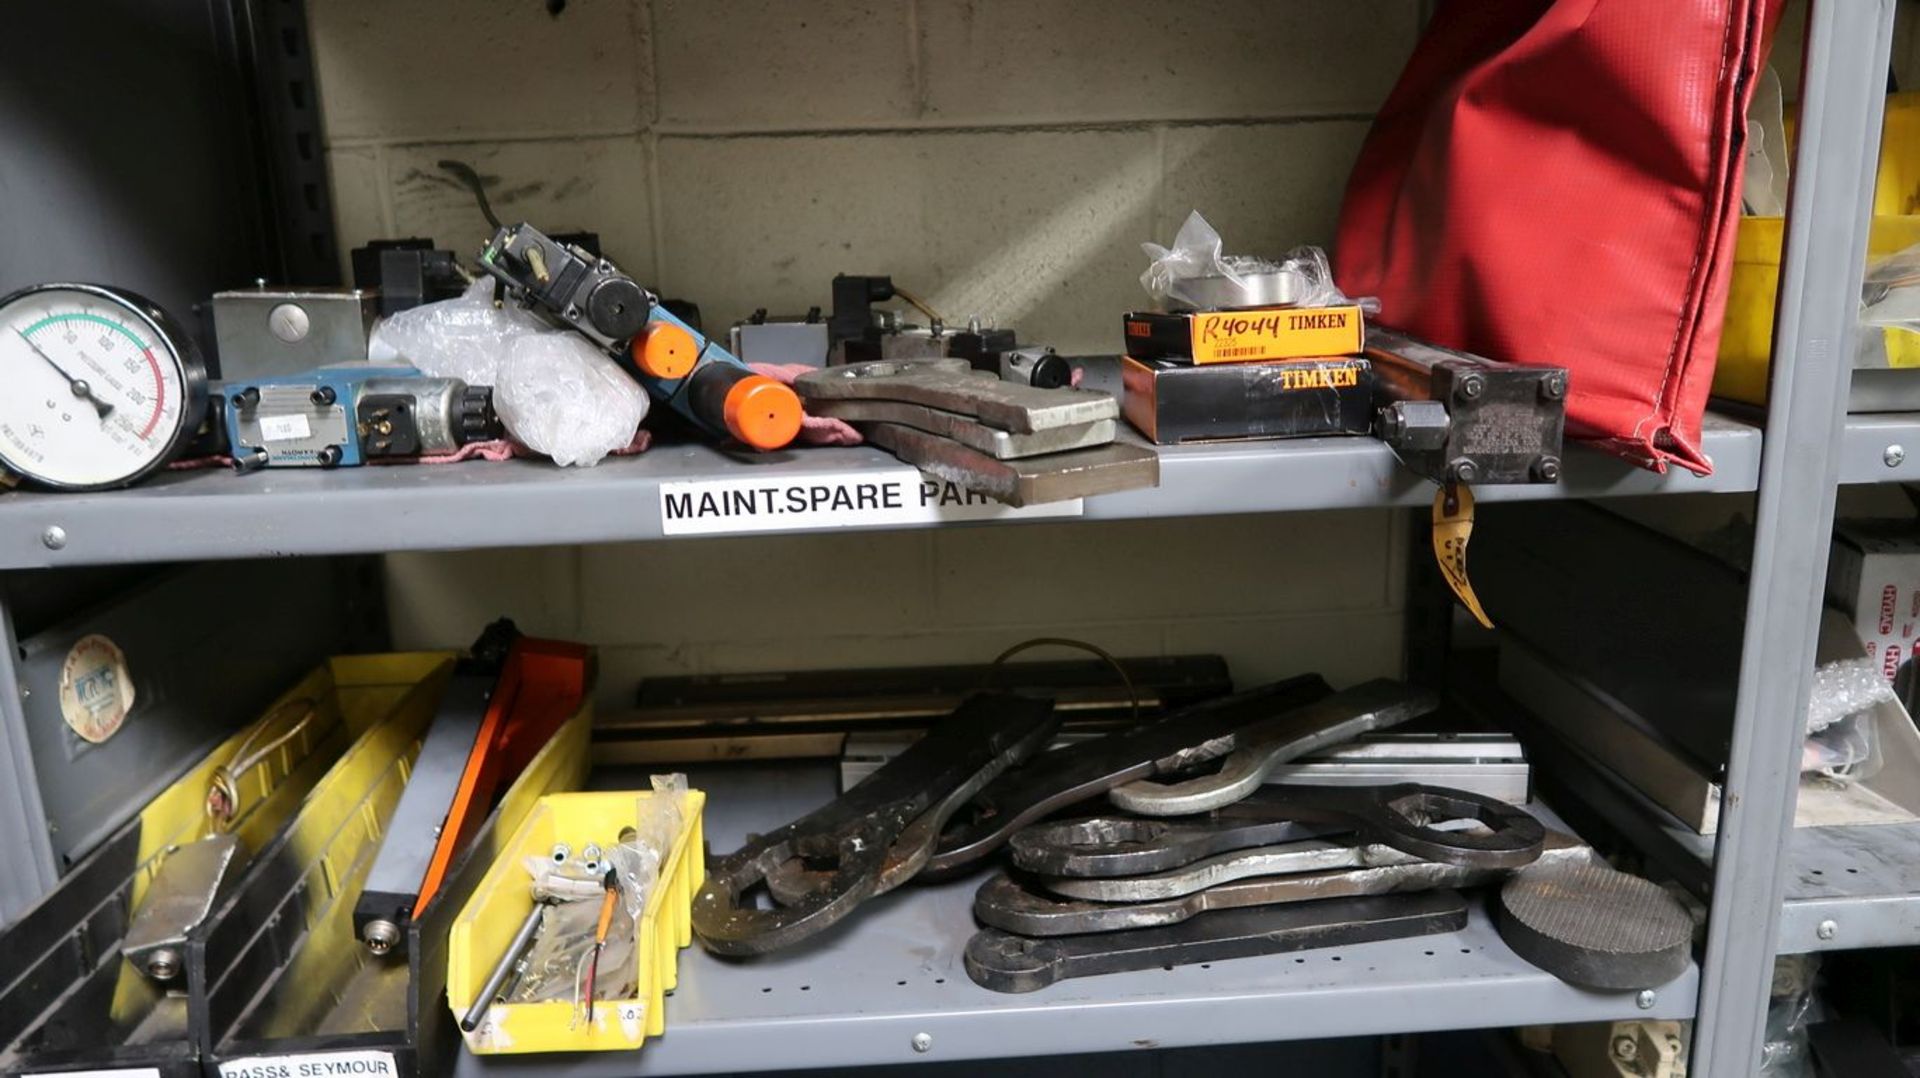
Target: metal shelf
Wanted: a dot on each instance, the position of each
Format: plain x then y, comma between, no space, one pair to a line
1882,448
1863,879
863,993
214,514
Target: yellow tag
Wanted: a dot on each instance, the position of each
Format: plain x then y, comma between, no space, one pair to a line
1452,527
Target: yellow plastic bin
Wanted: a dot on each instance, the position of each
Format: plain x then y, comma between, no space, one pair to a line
485,928
1746,344
71,1007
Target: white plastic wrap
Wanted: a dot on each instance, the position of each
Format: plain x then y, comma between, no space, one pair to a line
1792,1007
560,396
1840,741
556,393
1172,274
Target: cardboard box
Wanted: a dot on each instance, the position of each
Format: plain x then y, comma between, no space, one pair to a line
1172,402
1873,576
1205,337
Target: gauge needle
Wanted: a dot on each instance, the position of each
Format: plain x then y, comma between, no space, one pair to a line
80,388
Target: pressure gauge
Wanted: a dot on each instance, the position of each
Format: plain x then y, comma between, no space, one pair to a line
98,387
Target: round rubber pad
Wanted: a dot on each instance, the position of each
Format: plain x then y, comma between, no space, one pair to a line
761,412
1594,927
664,350
618,308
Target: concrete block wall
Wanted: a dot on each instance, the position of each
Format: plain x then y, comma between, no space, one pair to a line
1005,158
1276,594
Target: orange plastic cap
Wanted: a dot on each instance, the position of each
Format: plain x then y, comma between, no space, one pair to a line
664,350
761,412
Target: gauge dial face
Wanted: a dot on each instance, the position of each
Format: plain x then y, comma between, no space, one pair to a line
92,393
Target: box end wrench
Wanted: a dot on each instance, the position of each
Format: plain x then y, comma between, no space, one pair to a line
1402,816
1008,903
1005,962
1375,705
1062,777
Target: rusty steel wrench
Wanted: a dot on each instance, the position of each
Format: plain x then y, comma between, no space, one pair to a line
1373,706
1005,903
953,386
1303,855
856,833
792,881
1401,816
1005,962
1054,780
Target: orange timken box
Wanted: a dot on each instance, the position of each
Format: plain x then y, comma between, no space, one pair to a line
1245,336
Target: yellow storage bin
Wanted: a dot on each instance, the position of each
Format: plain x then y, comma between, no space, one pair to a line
1746,344
486,927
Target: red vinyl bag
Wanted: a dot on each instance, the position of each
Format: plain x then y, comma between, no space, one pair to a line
1557,182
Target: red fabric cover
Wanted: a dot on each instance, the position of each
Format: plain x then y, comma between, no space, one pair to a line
1556,182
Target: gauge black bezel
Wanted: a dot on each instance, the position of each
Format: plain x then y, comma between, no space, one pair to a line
186,356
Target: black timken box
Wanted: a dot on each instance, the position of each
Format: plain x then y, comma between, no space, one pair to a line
1172,401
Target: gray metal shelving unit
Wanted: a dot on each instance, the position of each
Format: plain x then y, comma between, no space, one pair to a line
862,996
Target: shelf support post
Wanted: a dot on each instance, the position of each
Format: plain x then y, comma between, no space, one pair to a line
1843,94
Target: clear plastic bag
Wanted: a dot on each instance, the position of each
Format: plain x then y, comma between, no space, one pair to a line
1890,295
1194,272
462,338
1792,1008
560,396
1841,744
556,393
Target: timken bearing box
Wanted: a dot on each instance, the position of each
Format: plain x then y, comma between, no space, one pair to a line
1173,401
1206,337
1873,576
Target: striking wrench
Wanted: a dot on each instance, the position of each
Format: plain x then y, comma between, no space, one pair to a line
1008,963
1005,902
854,836
1054,780
1402,816
1375,705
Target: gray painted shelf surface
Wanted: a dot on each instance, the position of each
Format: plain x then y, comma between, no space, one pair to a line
213,513
863,992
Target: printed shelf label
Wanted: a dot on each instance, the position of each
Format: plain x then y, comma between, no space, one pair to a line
881,498
362,1064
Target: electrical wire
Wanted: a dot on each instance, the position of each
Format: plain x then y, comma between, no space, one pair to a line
223,786
470,179
612,883
932,315
1133,694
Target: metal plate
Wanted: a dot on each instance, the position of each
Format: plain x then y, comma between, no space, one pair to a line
1053,478
1594,927
939,384
996,443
